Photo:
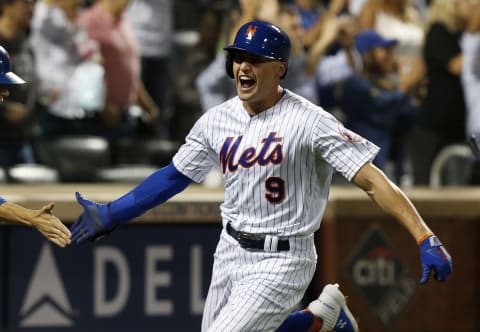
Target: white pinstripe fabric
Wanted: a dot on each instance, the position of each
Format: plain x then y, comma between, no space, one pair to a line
255,291
307,145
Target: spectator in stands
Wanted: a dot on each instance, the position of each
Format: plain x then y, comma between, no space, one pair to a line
60,47
355,6
443,120
212,30
16,114
400,20
309,12
471,76
331,69
312,15
375,108
105,23
213,84
152,25
316,65
315,16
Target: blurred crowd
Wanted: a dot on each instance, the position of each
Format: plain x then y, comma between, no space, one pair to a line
404,74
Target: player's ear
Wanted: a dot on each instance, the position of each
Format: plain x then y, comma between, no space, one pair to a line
229,65
283,69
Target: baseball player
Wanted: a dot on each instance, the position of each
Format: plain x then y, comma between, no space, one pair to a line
277,152
43,220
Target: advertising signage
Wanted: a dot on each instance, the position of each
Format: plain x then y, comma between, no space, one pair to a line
379,273
140,278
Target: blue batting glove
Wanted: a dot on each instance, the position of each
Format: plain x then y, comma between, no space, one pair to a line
434,258
93,223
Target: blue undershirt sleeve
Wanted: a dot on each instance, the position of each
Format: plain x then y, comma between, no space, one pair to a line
154,190
2,200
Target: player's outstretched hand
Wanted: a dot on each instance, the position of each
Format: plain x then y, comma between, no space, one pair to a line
434,258
93,223
50,226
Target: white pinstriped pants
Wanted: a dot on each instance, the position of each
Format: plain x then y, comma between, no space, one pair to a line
256,290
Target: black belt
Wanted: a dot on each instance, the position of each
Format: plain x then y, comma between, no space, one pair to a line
255,241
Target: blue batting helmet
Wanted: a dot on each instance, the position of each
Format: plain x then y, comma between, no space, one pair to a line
262,39
7,77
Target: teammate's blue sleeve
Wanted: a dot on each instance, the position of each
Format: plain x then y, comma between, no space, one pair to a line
2,200
154,190
98,219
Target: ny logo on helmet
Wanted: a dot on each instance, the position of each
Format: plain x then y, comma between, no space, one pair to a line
251,30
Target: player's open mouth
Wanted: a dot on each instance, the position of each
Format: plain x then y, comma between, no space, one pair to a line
246,82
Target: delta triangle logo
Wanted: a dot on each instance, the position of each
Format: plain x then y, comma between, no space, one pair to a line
46,302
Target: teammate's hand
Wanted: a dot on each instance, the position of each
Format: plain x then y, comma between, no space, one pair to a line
50,226
93,223
434,258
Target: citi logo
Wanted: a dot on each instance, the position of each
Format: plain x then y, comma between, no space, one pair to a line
46,302
377,269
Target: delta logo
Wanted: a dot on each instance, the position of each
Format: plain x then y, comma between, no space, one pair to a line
46,303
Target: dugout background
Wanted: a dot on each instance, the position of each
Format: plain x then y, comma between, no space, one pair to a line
153,275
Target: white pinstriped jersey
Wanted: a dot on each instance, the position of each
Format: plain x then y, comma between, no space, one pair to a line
277,165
